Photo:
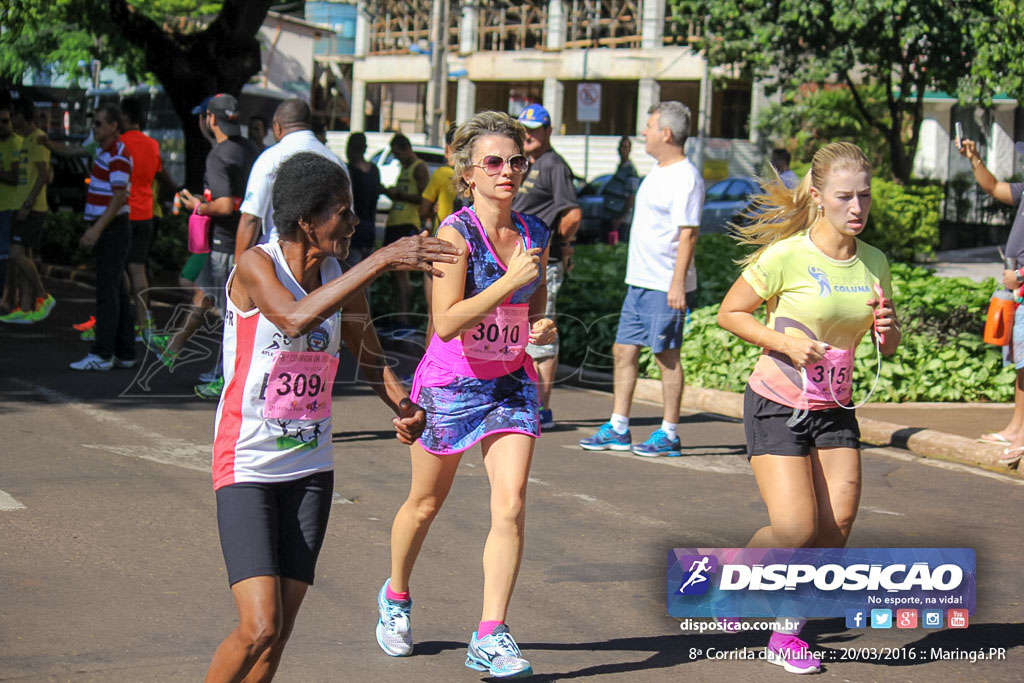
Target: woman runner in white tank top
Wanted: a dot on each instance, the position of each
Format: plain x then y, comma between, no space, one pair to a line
272,464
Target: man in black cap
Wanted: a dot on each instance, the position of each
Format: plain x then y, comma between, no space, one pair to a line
227,170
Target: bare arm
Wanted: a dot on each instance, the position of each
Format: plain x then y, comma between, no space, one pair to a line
257,283
42,174
452,313
569,224
736,315
62,150
92,235
684,257
997,189
221,206
249,229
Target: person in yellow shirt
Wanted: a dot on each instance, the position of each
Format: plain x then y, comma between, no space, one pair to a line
824,289
25,294
10,159
404,216
438,203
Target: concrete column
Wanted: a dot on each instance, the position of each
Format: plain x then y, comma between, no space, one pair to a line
465,99
1000,151
556,25
703,118
652,26
468,29
758,101
935,142
357,120
362,29
554,94
648,95
357,115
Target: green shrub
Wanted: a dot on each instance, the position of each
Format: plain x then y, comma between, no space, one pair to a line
63,229
904,220
942,356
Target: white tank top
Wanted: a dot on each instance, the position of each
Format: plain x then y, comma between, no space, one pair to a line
247,446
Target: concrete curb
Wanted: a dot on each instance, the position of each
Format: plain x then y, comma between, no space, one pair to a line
924,442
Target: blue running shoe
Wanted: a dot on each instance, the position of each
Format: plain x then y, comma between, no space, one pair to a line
497,654
547,418
607,439
658,444
394,628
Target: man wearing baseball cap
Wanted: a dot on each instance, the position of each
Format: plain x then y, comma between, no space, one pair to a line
548,193
227,170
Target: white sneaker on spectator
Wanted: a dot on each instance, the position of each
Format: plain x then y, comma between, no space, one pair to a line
93,362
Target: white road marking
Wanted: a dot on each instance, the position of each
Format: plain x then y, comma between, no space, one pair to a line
170,452
166,450
598,505
880,511
9,502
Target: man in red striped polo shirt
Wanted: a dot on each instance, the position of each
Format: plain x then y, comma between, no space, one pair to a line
110,239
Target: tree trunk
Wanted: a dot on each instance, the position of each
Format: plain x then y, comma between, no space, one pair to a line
219,59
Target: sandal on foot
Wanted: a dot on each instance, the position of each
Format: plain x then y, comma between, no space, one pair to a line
1011,456
994,437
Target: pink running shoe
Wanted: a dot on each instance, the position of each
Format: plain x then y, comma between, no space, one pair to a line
792,654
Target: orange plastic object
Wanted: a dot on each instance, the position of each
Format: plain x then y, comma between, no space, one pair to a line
999,321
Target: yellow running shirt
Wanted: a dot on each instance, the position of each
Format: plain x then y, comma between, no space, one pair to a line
441,191
811,295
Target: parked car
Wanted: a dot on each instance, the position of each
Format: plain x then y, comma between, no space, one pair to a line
390,167
593,200
724,202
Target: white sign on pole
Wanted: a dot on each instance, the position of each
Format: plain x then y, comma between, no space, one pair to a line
588,102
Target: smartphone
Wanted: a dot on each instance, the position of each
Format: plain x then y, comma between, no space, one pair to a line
959,135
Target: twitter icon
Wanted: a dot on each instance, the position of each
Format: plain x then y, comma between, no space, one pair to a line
881,618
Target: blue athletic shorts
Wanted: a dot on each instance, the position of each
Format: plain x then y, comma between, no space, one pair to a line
1018,338
647,320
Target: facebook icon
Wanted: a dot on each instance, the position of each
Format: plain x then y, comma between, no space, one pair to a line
856,618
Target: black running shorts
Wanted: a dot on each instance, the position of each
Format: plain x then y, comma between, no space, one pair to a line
764,422
274,529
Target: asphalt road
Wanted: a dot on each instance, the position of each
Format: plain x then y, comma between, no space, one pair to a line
110,566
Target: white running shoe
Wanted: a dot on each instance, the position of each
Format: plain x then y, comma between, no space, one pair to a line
394,628
93,362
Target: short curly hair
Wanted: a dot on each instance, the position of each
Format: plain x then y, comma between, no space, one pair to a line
306,185
481,124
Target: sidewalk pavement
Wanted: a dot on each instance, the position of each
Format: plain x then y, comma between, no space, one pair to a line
946,431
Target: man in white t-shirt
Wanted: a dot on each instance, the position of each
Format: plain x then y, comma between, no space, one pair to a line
292,127
659,273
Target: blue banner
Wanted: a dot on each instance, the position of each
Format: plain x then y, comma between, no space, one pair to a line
818,582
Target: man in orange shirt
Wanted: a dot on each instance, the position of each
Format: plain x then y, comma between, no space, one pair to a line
146,165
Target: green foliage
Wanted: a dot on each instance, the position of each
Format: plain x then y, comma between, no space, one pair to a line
906,47
589,305
998,66
808,119
60,33
63,229
942,356
904,220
